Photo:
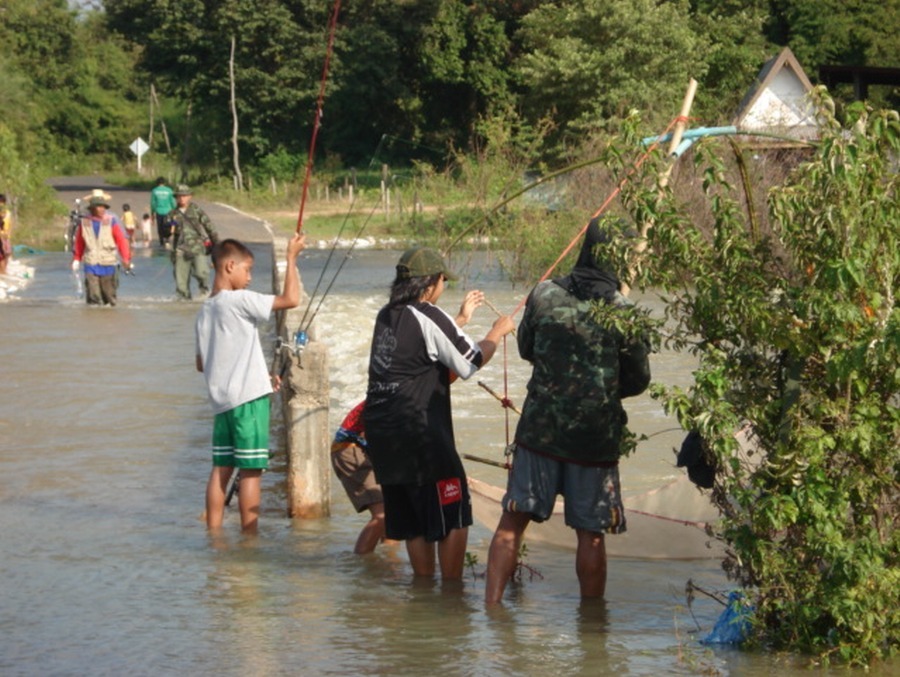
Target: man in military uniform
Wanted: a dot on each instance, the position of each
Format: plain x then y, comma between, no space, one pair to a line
193,236
569,437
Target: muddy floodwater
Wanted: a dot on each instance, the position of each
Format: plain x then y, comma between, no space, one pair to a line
107,568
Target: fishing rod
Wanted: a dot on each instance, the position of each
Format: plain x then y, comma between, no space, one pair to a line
304,325
486,461
505,401
317,122
301,337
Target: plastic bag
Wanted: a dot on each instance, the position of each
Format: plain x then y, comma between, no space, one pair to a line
733,624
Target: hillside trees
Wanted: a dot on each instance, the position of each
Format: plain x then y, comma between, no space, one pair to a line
69,101
425,72
75,79
185,54
589,63
849,32
420,71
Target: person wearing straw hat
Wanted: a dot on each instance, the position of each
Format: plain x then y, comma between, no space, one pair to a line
417,348
193,237
100,242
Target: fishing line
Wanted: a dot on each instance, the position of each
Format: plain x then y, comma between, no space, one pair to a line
327,263
340,268
304,325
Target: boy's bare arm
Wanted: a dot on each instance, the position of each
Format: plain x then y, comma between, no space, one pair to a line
290,296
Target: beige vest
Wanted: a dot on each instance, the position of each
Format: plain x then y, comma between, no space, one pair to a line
99,250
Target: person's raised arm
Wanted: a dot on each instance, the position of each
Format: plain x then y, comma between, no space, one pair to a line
502,326
472,300
290,296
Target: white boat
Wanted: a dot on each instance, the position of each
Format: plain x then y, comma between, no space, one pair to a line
665,523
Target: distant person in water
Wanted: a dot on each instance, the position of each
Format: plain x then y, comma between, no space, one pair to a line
5,233
146,230
416,347
162,201
569,436
128,222
100,243
193,237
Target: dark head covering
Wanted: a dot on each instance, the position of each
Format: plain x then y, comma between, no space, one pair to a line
421,262
591,278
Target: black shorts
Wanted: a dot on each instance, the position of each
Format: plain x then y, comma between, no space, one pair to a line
429,511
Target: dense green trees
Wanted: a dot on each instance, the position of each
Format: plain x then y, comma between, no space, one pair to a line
850,32
590,62
424,72
70,100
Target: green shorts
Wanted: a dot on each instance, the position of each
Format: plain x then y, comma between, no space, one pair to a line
241,436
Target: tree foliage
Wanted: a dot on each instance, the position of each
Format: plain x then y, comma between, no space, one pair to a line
797,334
70,102
850,32
591,62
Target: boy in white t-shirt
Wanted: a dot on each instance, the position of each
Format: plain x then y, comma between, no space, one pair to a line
231,358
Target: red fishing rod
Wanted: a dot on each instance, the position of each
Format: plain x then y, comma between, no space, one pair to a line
317,122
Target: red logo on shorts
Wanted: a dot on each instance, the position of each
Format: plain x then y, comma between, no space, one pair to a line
450,491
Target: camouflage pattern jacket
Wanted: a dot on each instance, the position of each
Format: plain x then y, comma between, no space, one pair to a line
191,230
573,411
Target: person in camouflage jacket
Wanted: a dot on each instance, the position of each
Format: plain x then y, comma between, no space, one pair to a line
569,437
193,236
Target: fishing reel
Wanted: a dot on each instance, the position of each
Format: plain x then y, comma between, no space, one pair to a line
295,348
301,340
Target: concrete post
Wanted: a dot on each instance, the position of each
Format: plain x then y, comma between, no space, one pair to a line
305,399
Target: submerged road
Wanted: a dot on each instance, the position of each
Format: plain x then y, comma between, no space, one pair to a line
229,222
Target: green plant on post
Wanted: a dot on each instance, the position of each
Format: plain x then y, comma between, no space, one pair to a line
797,334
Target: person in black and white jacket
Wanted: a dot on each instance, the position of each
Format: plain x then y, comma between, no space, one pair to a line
417,350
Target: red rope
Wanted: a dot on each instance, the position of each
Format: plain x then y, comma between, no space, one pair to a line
317,122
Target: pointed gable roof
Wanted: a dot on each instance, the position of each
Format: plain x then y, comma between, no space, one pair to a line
778,100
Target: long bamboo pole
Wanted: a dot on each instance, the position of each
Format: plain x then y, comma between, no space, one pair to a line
677,133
